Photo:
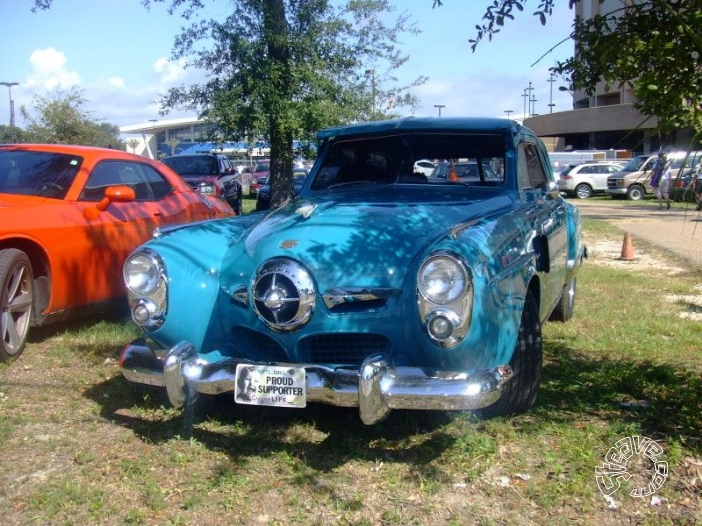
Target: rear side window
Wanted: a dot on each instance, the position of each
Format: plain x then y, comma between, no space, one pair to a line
40,174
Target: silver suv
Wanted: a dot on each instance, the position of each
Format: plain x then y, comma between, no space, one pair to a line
584,179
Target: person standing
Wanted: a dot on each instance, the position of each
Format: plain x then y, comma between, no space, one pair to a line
698,187
664,180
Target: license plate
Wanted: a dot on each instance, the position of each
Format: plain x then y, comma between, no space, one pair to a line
270,385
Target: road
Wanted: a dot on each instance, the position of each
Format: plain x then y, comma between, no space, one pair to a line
678,229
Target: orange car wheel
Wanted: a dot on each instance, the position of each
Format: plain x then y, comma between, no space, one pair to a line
16,298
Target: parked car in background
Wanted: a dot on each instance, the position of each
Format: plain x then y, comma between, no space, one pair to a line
634,180
683,186
584,179
424,167
263,200
209,173
69,217
466,170
375,287
261,171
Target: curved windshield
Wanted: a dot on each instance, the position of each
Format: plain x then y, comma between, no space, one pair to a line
635,164
192,164
460,158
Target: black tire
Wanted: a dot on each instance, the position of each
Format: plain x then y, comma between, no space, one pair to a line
519,395
16,302
583,191
566,304
635,192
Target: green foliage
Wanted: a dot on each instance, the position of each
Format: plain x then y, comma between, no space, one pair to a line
281,70
9,135
653,46
63,119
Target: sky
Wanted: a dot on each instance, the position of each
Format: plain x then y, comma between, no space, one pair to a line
119,54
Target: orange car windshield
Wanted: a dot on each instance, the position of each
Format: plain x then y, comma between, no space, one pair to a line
40,174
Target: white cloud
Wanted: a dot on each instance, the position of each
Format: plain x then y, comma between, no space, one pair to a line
116,82
49,70
170,72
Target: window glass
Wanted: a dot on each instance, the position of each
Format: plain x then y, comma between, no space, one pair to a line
147,183
457,158
531,171
41,174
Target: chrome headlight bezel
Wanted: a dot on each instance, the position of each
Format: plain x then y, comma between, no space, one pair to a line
445,293
145,277
442,279
142,272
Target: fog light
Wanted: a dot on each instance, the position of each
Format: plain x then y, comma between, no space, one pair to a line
440,328
441,324
141,314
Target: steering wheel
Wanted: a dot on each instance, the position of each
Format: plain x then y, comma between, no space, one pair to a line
50,185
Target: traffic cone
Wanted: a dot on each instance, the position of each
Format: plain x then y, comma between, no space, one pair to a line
627,248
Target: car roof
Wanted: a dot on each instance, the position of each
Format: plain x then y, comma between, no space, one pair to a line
457,124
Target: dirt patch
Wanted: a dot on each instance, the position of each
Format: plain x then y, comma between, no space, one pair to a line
608,253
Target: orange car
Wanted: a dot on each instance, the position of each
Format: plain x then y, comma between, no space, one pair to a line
69,216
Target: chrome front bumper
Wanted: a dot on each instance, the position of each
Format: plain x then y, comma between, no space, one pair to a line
375,388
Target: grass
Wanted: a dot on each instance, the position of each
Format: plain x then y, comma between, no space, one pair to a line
79,445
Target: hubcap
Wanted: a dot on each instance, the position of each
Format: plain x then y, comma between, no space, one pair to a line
16,309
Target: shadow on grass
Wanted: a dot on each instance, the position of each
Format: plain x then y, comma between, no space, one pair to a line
660,401
663,401
325,437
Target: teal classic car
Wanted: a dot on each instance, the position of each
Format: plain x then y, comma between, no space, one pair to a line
376,287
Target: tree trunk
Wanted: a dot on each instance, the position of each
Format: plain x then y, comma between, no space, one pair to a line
278,101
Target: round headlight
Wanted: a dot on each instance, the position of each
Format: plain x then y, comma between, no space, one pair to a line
142,273
442,280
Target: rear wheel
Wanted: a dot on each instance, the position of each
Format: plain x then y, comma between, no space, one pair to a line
583,191
16,298
566,304
520,392
635,192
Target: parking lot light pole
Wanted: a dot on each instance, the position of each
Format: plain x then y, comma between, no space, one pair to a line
12,107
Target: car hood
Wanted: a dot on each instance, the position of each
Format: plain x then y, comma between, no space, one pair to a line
359,240
21,202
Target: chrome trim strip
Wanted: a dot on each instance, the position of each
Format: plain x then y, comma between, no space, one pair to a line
342,295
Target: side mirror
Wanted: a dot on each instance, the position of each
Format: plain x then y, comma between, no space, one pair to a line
113,194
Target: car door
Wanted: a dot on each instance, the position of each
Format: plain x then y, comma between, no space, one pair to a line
115,231
600,172
546,211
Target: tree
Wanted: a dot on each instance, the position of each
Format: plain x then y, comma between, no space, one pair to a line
281,70
653,46
133,143
9,135
63,119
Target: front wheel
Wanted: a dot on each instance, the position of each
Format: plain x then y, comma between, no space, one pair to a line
16,298
520,392
635,193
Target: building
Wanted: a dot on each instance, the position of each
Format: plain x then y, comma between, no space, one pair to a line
605,120
159,138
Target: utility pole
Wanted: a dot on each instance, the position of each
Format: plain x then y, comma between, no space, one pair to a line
508,112
371,73
439,106
12,107
551,80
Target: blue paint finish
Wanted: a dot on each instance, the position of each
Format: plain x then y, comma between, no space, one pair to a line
377,236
